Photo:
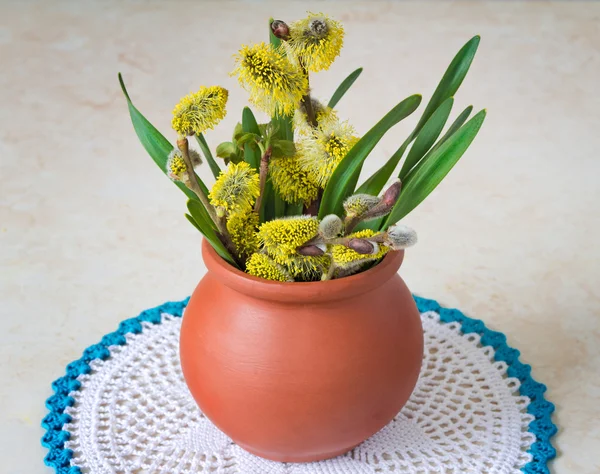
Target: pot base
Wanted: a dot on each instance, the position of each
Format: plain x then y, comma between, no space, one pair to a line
291,458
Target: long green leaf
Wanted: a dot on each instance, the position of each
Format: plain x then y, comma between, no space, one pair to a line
451,80
449,84
434,168
197,213
343,87
249,125
214,167
343,181
157,146
462,118
427,136
377,181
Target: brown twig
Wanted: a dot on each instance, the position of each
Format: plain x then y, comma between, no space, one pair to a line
192,183
263,171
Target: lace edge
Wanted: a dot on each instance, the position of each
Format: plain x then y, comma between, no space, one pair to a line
59,457
55,437
542,426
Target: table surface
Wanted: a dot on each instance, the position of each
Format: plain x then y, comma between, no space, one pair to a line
92,233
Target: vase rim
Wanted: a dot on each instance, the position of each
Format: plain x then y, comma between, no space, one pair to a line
292,292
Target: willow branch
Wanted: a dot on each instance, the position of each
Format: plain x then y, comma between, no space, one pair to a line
263,171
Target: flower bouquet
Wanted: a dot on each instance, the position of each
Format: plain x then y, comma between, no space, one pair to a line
302,318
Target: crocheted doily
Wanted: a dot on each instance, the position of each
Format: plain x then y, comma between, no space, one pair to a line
124,408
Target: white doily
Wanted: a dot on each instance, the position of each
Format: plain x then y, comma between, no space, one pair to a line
134,414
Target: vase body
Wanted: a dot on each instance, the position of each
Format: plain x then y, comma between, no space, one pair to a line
298,372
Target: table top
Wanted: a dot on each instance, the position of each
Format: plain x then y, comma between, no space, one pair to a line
92,233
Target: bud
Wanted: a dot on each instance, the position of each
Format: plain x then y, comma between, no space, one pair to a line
331,226
391,194
400,237
311,250
280,29
363,246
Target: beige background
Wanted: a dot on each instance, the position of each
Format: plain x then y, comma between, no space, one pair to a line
92,233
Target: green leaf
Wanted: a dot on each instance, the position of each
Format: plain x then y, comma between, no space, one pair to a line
427,136
249,125
157,146
432,170
226,150
294,209
267,208
451,80
449,84
198,213
238,131
193,222
462,118
281,148
377,181
344,178
343,87
280,204
214,167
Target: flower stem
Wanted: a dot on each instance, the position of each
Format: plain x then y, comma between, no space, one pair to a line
192,183
263,171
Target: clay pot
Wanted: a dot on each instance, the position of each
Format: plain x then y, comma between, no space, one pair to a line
300,372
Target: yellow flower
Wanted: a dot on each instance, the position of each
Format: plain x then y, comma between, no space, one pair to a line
274,83
359,204
343,256
176,167
307,268
281,237
236,189
324,115
315,41
262,266
320,153
198,112
291,181
242,229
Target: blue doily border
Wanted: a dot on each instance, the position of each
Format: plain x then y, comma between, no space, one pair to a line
55,437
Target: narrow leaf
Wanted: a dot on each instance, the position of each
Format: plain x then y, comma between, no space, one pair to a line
451,80
249,125
343,181
193,222
462,118
434,168
197,212
427,136
155,144
377,181
214,167
343,87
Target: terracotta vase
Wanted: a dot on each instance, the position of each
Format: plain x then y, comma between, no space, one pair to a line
300,372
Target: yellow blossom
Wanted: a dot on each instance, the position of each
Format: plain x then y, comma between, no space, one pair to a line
242,229
176,167
281,237
320,153
291,181
274,83
260,265
323,114
304,268
343,256
315,41
198,112
236,189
